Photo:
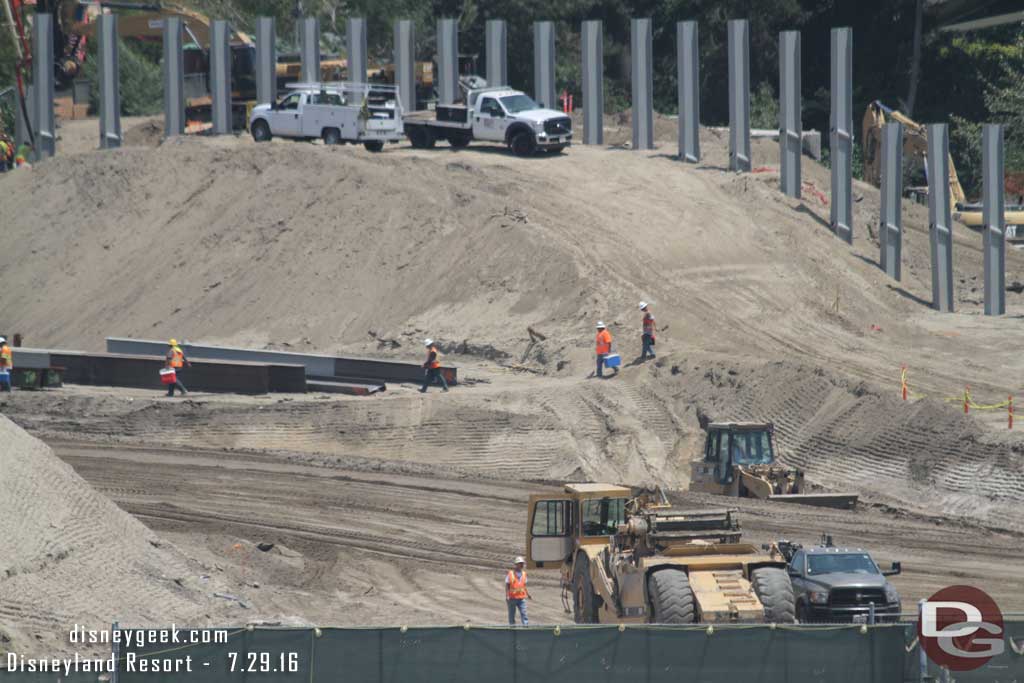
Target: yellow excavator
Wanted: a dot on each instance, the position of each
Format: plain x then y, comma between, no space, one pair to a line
915,151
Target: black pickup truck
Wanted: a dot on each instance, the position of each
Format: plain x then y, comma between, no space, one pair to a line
839,585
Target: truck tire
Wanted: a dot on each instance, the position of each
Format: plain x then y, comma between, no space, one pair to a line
671,597
261,131
332,136
523,144
420,137
775,591
374,145
459,140
584,606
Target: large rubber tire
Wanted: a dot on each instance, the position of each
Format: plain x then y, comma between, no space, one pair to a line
775,591
332,136
584,606
459,141
261,131
523,144
671,597
420,137
374,145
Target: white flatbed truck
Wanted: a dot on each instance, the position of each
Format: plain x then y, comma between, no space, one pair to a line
338,113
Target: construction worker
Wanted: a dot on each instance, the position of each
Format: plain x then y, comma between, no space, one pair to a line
176,360
647,336
432,368
603,347
516,593
6,153
21,158
6,365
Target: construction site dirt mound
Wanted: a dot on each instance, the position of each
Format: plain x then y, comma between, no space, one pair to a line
70,556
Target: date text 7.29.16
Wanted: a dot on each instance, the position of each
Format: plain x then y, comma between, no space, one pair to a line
263,662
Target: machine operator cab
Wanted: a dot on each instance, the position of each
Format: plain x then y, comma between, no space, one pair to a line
732,444
585,514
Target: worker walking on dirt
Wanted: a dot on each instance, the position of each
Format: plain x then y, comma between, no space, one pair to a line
647,335
6,365
603,346
516,593
432,368
176,360
6,153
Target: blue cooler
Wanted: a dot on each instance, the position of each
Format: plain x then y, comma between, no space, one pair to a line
612,360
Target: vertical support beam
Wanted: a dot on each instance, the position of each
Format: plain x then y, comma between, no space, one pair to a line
688,77
21,123
110,83
890,229
266,60
544,64
841,133
641,57
496,38
939,218
739,95
405,74
790,113
220,77
356,43
993,207
447,61
309,48
593,82
174,78
44,126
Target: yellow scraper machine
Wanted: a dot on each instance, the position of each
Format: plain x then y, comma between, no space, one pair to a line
628,558
739,461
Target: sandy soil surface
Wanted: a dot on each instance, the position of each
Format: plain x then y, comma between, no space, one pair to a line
762,314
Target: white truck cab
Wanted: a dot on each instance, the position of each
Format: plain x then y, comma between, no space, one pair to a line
369,114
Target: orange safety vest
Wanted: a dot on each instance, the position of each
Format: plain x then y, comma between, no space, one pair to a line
436,363
6,357
604,342
649,324
177,357
516,587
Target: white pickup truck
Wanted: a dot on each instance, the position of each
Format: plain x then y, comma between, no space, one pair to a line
356,113
492,114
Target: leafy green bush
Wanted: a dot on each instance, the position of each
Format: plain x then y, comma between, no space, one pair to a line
142,86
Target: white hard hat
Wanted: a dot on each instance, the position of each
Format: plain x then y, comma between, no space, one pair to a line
600,324
3,339
519,560
643,305
428,342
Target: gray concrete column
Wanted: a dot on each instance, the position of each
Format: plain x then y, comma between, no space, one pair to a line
739,95
688,77
496,46
405,69
993,208
266,60
593,82
447,61
309,48
790,113
544,89
109,83
841,133
174,78
939,218
641,59
45,125
890,229
220,76
356,43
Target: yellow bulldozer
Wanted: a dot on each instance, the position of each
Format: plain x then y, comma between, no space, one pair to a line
915,152
628,558
739,461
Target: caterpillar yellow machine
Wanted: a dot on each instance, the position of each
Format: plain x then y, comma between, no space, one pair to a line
915,151
739,461
628,558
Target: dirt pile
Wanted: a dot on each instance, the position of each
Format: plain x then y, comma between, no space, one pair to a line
70,556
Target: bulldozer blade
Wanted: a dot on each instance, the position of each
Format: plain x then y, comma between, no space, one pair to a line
841,501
